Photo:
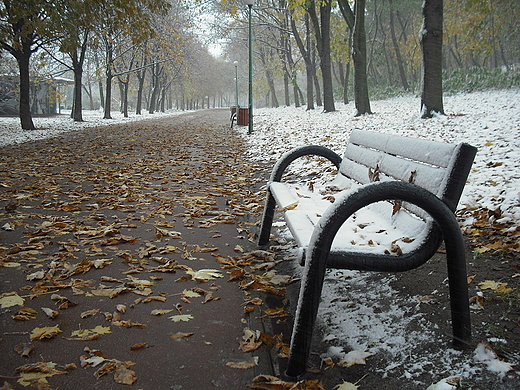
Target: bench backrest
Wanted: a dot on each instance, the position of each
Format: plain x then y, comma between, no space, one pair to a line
438,167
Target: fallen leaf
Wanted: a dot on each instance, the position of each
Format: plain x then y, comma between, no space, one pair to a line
89,313
181,317
50,313
10,299
138,346
125,376
353,358
25,314
179,335
160,312
46,332
346,386
244,364
24,349
204,275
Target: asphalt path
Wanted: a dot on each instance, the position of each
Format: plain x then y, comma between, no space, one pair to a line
110,222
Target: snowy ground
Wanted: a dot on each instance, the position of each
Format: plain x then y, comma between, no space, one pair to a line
48,127
488,120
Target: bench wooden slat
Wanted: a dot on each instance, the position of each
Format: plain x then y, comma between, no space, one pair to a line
428,152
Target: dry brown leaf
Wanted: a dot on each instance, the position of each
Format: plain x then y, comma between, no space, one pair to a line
160,312
25,314
89,313
24,349
138,346
179,335
125,376
244,364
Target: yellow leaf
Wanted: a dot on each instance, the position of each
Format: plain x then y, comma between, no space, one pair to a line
489,284
204,274
45,333
10,299
346,386
181,317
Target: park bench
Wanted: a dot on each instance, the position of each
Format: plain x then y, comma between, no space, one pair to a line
388,209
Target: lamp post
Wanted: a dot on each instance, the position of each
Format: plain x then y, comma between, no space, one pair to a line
236,84
250,128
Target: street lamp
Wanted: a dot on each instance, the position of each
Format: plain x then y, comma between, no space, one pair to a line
250,128
236,84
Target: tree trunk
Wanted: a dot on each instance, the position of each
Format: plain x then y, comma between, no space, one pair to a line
322,32
77,66
23,58
431,45
305,52
109,76
359,55
139,104
398,56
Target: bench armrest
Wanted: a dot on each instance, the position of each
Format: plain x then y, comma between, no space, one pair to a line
284,161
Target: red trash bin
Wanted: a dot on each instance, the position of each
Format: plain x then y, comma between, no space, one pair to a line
243,117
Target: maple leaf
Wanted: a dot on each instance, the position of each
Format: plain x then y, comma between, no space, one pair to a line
354,357
10,299
346,386
181,317
45,332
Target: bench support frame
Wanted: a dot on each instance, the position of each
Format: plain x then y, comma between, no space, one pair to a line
319,254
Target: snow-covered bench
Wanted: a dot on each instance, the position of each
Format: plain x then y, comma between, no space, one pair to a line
388,209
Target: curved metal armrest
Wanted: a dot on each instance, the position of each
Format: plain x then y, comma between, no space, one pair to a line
293,154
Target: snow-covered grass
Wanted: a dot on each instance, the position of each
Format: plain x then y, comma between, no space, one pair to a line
488,120
54,126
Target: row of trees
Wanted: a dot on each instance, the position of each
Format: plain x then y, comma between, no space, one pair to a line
379,41
314,52
144,46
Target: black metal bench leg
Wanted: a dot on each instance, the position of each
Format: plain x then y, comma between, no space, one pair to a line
307,311
267,219
458,286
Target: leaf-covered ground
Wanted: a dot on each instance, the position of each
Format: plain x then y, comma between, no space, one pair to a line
117,245
126,258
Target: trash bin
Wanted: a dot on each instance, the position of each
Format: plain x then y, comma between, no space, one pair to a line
243,117
234,109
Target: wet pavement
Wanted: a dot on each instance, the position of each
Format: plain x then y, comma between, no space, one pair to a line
115,223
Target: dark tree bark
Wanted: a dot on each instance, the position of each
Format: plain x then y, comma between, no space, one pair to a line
305,52
398,56
356,22
109,77
359,55
431,45
23,57
77,67
322,32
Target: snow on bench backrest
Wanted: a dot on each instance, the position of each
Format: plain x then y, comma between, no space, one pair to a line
391,157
